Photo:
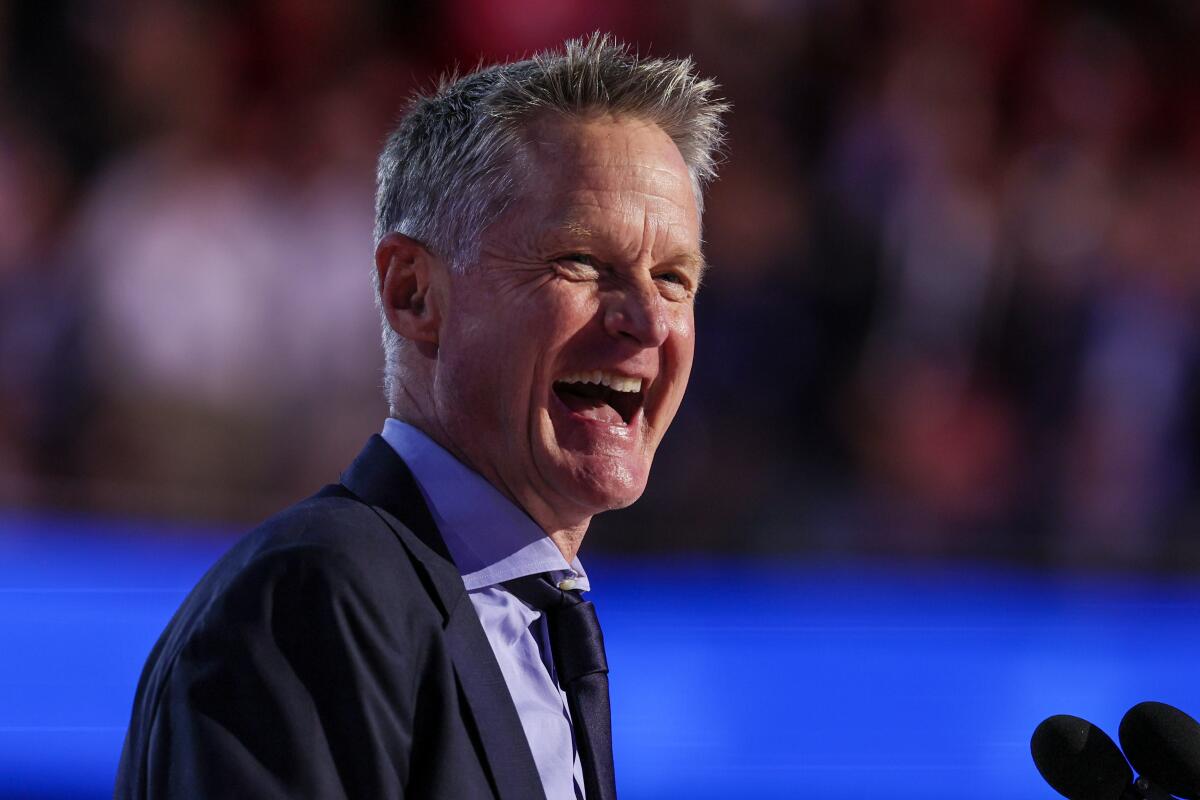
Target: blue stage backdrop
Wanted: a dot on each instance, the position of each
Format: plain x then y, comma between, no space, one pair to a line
844,681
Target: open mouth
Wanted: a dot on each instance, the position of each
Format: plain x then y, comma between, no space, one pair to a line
601,396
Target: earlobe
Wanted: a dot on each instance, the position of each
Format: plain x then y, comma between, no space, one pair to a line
406,271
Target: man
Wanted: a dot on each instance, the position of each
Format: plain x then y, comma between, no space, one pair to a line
416,630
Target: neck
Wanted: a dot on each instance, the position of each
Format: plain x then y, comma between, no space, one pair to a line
566,533
568,540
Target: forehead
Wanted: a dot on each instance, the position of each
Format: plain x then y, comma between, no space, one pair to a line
596,176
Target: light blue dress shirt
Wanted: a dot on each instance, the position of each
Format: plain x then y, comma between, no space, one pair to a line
491,541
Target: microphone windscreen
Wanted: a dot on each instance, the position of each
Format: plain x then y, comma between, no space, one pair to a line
1163,744
1079,760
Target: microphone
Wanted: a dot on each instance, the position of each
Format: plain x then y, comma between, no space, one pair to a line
1163,743
1081,762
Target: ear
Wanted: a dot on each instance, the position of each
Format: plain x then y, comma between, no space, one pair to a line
409,280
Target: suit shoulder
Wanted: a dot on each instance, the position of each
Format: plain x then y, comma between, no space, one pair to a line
329,548
332,521
333,532
325,585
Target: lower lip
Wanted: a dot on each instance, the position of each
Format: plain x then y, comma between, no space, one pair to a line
577,432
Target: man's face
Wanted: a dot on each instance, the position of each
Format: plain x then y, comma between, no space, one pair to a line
564,353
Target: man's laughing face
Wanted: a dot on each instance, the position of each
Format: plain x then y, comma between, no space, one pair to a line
566,348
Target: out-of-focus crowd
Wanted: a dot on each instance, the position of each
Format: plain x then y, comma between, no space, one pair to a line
952,309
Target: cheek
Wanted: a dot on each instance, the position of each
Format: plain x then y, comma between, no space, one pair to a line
516,357
677,354
474,372
682,344
549,317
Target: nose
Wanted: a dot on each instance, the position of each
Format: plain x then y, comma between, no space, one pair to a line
636,312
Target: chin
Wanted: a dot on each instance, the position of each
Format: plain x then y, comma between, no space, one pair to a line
604,484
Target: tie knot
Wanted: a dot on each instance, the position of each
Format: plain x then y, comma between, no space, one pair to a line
539,592
575,637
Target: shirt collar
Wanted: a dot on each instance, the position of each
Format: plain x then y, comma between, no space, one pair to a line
489,537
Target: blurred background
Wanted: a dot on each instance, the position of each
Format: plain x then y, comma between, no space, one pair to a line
950,328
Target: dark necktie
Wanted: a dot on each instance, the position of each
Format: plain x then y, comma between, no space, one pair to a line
578,649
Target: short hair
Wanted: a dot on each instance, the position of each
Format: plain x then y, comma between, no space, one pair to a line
445,172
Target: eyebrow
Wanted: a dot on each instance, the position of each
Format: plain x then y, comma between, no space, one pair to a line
695,261
576,228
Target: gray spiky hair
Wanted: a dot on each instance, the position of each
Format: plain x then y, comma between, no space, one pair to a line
446,173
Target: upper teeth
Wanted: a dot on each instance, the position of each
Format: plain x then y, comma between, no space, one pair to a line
618,383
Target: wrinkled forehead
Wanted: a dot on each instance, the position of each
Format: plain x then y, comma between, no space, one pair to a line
571,172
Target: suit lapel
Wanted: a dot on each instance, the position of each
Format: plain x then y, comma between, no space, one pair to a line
499,727
381,479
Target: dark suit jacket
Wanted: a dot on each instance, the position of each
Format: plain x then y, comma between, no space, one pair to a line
332,653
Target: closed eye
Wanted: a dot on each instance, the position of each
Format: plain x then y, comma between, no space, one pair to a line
578,267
